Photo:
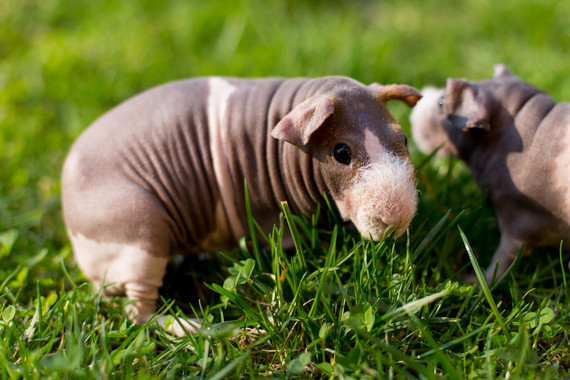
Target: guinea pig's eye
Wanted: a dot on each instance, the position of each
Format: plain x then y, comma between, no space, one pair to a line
405,140
342,153
440,101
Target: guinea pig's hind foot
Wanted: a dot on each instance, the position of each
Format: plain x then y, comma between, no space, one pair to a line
176,326
141,311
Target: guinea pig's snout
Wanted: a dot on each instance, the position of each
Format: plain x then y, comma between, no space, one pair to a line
384,195
395,218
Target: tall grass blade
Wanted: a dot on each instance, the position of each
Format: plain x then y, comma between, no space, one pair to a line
251,225
444,360
325,271
563,270
227,371
398,355
482,281
431,234
297,240
414,306
461,339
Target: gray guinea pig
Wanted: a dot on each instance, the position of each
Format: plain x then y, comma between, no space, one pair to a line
515,139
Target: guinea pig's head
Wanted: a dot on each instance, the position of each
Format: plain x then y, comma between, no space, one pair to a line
454,118
427,120
358,154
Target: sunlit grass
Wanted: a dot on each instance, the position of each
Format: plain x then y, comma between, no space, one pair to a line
335,305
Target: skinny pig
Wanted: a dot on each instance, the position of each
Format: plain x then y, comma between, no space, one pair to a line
164,172
515,140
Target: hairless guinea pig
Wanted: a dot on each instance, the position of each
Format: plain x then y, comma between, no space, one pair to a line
515,140
164,172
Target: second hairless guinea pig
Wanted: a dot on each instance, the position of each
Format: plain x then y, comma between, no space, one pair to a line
516,141
164,172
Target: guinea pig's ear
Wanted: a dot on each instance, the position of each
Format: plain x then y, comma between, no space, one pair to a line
465,105
501,70
402,92
303,120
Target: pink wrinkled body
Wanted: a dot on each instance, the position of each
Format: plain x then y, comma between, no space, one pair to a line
164,172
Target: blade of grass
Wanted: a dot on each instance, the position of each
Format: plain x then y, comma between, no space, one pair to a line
481,278
450,369
294,232
509,270
5,283
428,158
325,271
204,358
441,235
431,234
297,290
413,306
251,225
458,340
238,301
397,354
227,371
563,273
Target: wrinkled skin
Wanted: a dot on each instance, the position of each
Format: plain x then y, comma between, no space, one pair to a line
164,172
515,140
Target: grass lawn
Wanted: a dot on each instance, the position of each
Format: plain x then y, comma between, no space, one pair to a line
336,306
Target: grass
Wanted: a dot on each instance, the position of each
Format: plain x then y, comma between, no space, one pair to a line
336,306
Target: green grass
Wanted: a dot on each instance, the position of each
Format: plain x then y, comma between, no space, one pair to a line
334,306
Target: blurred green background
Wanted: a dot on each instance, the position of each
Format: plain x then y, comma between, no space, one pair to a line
65,62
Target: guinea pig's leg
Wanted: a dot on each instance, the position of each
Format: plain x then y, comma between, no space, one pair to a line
141,310
141,277
504,256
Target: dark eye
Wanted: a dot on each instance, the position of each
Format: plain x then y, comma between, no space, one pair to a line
342,153
441,101
405,140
